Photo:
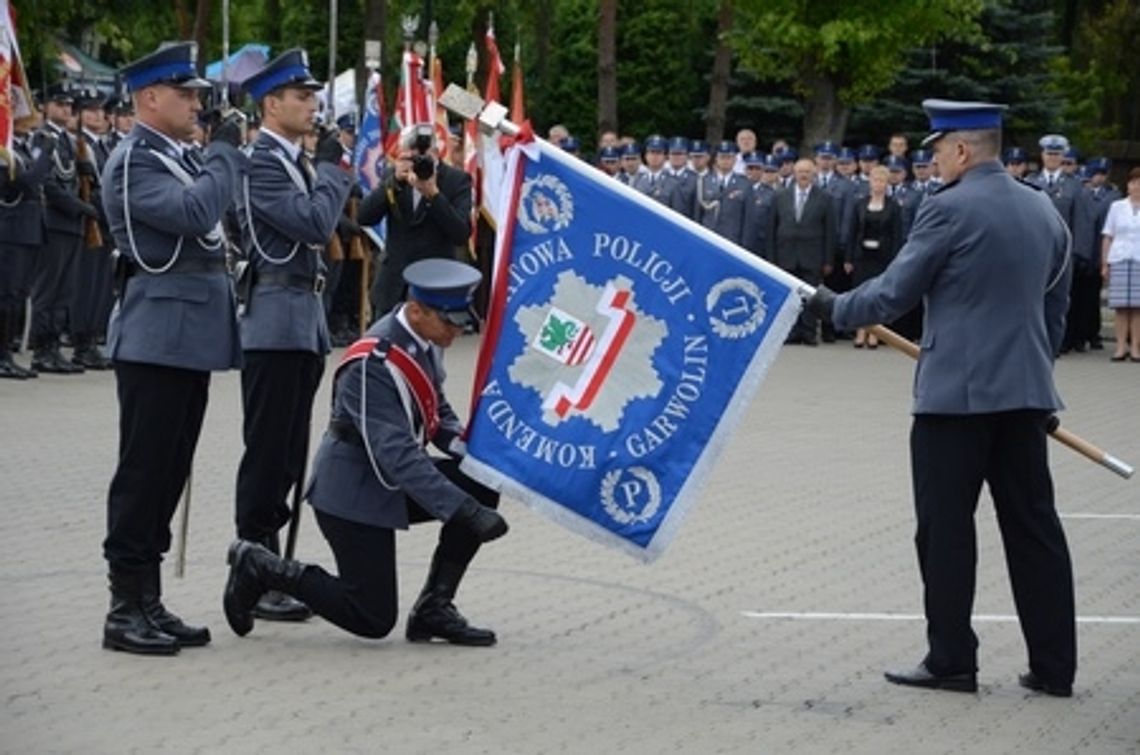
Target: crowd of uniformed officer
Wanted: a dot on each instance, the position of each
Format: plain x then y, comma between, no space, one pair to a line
731,189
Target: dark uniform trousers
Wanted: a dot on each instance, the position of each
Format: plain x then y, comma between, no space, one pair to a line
277,390
362,599
160,416
951,456
53,294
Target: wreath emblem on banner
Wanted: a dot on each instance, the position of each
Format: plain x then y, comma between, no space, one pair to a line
622,514
545,204
736,308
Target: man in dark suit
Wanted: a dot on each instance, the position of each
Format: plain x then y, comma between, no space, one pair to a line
991,258
174,322
287,214
428,206
801,239
372,476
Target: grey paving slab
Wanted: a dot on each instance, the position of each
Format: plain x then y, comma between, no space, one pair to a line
809,510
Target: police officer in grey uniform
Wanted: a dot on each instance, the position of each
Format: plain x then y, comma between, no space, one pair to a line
990,256
685,176
372,476
656,181
722,195
1099,196
287,211
173,323
1068,197
56,269
22,177
758,211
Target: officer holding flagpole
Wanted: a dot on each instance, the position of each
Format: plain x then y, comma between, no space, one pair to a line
173,323
288,210
990,255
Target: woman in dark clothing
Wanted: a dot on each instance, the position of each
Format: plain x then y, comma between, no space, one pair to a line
877,239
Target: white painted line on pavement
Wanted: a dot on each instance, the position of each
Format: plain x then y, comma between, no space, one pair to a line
981,617
1135,517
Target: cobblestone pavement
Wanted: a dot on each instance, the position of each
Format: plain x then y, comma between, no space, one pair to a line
808,511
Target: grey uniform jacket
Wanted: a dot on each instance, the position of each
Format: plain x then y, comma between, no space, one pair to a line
177,319
344,482
758,219
294,215
61,189
21,195
989,257
687,191
722,206
664,187
1070,200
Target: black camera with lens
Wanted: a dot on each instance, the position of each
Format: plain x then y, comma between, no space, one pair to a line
423,164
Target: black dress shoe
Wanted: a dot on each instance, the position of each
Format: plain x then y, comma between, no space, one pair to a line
277,606
920,676
1037,684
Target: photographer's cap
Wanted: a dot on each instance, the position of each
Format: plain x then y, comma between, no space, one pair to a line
951,115
447,286
289,69
173,64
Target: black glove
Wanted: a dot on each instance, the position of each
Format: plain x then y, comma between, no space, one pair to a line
88,210
821,303
228,130
329,148
355,192
346,226
483,522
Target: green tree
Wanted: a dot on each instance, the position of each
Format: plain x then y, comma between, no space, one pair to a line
837,53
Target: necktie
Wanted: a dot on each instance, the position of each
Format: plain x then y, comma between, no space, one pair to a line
801,198
1051,181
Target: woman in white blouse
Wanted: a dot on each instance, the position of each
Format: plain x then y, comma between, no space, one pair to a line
1120,267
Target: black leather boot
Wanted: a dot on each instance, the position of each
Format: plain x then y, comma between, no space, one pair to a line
87,354
128,627
253,570
435,616
188,636
275,605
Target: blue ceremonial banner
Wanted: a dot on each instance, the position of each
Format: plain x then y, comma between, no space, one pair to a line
368,157
622,346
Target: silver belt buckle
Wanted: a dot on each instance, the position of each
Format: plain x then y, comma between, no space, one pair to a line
319,284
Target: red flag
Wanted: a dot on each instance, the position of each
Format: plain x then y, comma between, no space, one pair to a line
15,99
441,132
411,99
518,110
495,67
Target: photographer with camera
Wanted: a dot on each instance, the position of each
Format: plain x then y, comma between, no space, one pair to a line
428,206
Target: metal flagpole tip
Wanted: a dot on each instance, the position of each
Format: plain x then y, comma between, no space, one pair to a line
1116,465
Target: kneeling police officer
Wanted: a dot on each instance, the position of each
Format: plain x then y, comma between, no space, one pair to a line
372,475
